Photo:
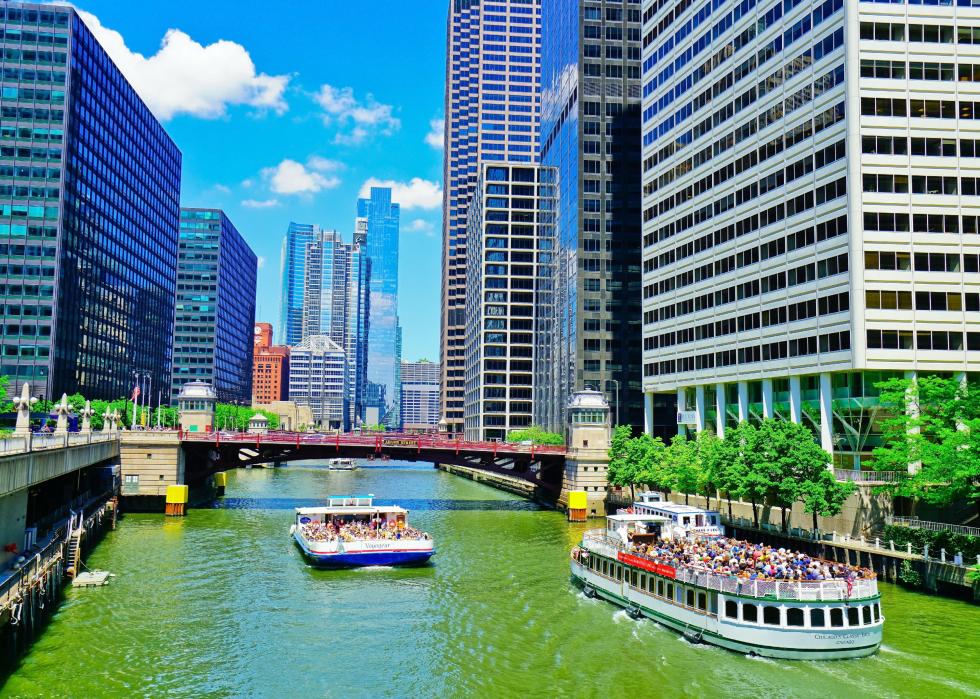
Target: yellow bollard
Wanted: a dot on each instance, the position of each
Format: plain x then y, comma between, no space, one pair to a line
220,482
578,505
176,500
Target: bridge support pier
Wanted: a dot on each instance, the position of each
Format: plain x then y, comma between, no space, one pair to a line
587,458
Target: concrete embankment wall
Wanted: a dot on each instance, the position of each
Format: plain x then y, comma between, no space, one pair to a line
511,484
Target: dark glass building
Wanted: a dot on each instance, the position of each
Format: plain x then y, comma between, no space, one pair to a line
590,135
215,316
89,204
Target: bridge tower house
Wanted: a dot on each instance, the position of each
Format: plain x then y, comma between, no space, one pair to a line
587,458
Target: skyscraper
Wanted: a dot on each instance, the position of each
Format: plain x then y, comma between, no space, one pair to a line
378,220
420,395
816,230
215,314
88,223
590,119
492,111
293,273
336,306
508,282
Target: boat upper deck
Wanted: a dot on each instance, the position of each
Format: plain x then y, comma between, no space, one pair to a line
856,583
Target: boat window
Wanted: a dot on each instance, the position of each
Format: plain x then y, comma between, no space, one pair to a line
836,616
605,567
750,613
702,601
619,572
866,615
731,609
670,591
690,597
817,618
633,578
852,616
643,582
877,611
794,617
660,588
770,615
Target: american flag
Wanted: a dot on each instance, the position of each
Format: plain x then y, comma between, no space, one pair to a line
136,393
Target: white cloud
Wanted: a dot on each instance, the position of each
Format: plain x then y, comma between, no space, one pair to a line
184,76
221,189
260,203
437,128
247,183
420,225
260,262
414,194
292,177
357,119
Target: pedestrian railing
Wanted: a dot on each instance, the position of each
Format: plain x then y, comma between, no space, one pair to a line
40,442
916,523
869,477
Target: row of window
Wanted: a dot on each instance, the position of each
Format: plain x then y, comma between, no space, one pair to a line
919,108
935,147
891,222
920,184
751,354
779,315
920,33
923,340
919,70
924,300
801,274
808,617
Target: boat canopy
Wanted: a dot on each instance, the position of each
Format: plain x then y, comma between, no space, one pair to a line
347,510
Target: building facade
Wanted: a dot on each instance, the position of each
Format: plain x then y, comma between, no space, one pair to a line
317,371
590,136
293,274
510,259
215,310
336,306
378,220
420,395
833,241
492,109
89,208
270,368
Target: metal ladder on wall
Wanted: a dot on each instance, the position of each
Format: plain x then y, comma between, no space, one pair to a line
74,537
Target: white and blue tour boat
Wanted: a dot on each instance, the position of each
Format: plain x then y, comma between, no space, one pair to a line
745,597
352,532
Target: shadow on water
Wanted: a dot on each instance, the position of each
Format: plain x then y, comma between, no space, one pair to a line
418,505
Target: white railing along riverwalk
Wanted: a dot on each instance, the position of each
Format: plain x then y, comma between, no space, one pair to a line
811,590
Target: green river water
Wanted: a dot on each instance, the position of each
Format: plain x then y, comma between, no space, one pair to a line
221,603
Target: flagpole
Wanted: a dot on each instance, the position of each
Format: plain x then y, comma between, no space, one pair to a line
133,397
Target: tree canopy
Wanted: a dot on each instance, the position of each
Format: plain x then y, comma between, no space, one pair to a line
536,435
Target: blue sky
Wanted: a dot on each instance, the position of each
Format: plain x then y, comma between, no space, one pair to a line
283,111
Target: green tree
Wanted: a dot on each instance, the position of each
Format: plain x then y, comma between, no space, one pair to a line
680,466
536,435
747,476
934,428
712,461
624,467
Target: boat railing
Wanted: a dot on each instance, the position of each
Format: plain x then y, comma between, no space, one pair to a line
806,590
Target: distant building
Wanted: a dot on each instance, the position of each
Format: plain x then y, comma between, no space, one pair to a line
492,107
270,368
293,270
317,366
378,218
420,395
215,315
508,283
91,202
336,306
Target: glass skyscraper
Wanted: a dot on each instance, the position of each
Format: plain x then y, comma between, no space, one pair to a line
215,314
492,111
89,207
590,134
378,220
293,270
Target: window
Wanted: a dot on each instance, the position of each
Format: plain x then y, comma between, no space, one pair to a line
853,616
750,613
866,614
817,618
794,617
837,617
690,597
731,609
770,615
703,601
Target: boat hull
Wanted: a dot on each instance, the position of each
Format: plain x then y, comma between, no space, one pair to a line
759,641
415,554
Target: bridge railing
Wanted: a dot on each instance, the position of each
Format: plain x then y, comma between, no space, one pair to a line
388,439
39,441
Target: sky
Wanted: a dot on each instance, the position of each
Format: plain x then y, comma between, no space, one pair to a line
287,111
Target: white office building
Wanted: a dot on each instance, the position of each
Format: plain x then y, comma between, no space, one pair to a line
420,395
509,261
810,208
317,367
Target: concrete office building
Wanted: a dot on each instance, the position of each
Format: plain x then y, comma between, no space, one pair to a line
492,112
590,135
420,395
809,230
509,283
317,370
215,313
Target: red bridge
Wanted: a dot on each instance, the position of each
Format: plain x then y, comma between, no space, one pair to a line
217,451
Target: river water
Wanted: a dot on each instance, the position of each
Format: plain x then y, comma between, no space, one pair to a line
221,603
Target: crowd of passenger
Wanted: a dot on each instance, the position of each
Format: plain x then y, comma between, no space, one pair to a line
356,531
747,561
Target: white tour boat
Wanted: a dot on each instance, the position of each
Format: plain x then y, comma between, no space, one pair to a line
351,532
686,518
631,563
341,465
